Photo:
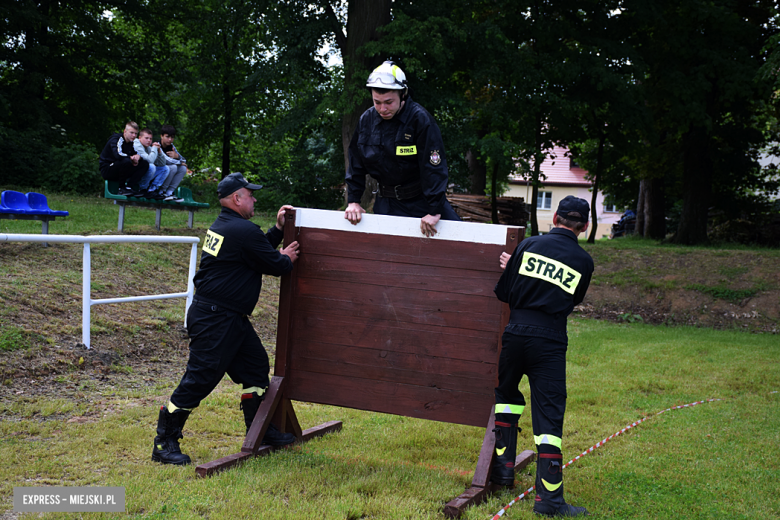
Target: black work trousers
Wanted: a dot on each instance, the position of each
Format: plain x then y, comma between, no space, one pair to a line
124,171
544,362
221,341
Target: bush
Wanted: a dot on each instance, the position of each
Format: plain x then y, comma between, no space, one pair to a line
72,168
311,181
21,167
203,185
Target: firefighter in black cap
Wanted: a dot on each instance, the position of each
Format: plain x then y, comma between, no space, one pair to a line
236,255
398,143
542,281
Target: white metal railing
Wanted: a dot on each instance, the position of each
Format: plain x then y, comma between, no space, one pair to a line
87,301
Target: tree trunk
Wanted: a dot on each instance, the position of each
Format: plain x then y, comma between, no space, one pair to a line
478,172
654,211
594,214
534,220
493,190
697,187
538,159
37,45
639,228
227,130
363,19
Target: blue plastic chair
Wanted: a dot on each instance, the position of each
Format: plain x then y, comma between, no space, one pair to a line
15,202
3,209
39,204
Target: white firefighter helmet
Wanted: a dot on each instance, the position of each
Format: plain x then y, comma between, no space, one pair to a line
388,75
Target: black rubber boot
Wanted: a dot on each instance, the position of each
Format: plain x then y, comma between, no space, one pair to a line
549,488
506,449
250,403
166,444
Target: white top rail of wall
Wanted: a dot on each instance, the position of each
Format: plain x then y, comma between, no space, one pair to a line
402,226
87,300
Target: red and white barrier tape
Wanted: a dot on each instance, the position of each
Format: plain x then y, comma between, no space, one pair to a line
598,444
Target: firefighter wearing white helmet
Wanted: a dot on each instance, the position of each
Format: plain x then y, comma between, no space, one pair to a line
398,143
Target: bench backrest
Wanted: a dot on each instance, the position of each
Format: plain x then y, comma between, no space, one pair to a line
392,321
15,201
39,204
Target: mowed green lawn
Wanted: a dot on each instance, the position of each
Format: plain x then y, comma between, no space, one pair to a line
714,460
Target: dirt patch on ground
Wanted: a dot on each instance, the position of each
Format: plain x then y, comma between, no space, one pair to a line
144,345
722,289
141,345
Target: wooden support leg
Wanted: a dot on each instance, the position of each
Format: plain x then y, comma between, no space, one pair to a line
485,461
280,409
476,495
481,487
260,424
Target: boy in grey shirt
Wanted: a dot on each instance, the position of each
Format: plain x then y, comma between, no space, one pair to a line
158,170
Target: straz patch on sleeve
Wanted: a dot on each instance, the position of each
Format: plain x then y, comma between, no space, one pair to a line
549,270
406,150
212,243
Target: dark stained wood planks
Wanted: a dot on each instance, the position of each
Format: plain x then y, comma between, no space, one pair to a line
406,325
423,402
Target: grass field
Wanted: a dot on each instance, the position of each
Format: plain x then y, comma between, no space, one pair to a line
716,460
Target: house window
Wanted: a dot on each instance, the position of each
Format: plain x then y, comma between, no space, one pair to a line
573,163
609,207
544,200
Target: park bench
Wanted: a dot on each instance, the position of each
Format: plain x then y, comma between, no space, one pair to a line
189,205
28,206
379,317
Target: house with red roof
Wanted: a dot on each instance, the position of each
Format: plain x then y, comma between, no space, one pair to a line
564,177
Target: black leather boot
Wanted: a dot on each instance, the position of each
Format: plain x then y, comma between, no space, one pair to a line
549,488
250,403
506,450
166,444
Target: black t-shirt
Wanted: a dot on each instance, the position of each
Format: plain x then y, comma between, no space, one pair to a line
545,278
401,151
236,255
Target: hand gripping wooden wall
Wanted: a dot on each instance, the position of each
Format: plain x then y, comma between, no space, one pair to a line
379,317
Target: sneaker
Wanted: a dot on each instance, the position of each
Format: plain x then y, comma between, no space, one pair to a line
124,190
177,200
170,197
154,195
136,193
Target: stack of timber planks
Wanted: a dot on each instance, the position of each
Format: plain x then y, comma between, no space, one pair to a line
512,211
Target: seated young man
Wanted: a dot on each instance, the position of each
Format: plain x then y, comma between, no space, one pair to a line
158,171
119,161
177,164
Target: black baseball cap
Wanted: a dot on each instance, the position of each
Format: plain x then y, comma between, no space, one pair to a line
232,183
574,209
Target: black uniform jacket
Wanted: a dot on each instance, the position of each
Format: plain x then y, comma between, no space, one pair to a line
403,150
545,278
116,148
236,255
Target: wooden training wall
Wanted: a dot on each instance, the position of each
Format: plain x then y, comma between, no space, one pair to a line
379,317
